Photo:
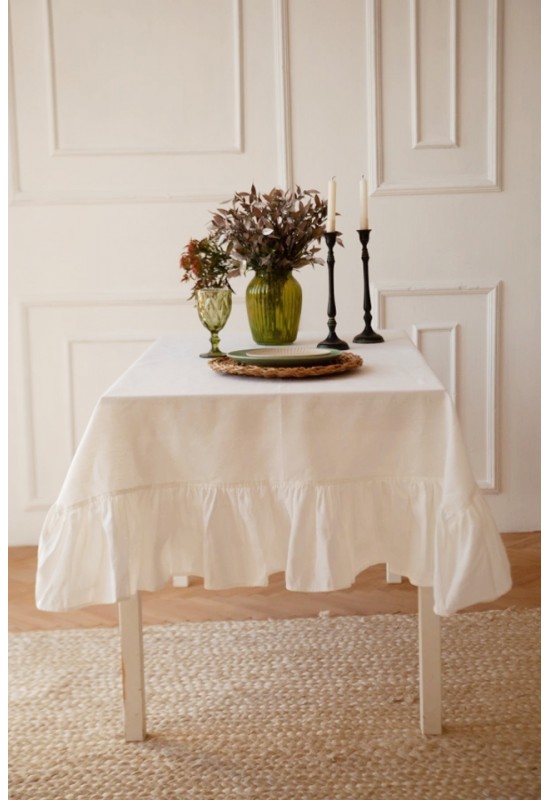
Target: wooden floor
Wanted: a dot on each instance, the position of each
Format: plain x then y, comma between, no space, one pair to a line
369,595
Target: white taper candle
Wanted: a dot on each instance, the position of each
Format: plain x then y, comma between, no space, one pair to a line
331,206
363,204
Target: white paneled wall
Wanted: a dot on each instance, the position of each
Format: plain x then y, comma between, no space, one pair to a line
143,101
74,349
131,120
436,124
455,328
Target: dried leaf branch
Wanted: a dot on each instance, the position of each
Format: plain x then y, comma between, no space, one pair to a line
207,265
273,232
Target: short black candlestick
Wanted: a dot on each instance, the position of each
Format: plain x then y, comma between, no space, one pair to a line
332,341
367,336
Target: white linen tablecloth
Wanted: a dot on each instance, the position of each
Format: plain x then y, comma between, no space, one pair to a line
182,471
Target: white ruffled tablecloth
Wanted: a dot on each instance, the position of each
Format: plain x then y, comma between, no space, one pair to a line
182,471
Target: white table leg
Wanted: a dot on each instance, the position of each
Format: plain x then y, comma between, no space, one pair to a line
429,649
392,577
133,688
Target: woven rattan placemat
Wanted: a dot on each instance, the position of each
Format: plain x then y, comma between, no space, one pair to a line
343,363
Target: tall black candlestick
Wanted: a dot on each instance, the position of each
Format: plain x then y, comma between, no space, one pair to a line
332,341
367,336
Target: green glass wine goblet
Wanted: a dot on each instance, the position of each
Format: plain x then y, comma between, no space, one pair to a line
214,307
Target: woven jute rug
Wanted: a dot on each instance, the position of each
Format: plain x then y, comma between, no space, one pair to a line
307,709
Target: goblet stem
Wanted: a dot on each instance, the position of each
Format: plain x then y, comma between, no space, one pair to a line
215,351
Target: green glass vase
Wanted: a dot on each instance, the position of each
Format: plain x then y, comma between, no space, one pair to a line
274,305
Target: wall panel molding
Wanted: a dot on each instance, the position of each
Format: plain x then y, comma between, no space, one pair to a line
375,152
418,140
489,482
57,150
438,327
47,172
283,97
70,359
149,322
443,183
30,198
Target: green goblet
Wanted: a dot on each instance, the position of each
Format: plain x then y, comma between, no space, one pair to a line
214,307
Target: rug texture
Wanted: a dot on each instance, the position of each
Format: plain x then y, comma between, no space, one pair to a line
303,709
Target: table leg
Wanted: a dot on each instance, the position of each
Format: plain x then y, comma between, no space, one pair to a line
392,577
429,649
133,688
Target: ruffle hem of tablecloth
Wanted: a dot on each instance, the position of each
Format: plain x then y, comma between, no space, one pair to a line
322,536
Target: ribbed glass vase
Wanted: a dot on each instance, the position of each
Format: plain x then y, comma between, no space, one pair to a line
274,305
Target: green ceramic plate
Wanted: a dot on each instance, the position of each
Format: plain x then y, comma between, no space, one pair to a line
284,356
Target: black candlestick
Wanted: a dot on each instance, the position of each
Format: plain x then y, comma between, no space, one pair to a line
367,336
332,341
